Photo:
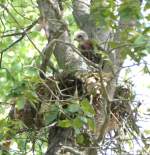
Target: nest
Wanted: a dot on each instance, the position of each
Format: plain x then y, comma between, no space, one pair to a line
57,93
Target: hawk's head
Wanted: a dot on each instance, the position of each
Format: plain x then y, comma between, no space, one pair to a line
80,36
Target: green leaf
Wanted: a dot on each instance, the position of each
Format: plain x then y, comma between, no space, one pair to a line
140,40
83,119
77,131
124,52
52,114
148,17
77,123
65,123
80,139
74,108
147,5
20,102
129,10
86,107
91,124
147,132
83,139
124,35
102,13
113,44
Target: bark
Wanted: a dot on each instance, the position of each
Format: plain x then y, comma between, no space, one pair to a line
59,38
57,138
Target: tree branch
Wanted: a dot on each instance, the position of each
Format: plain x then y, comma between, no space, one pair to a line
81,13
71,150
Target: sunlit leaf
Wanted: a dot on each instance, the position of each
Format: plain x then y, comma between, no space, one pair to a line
86,107
91,124
65,123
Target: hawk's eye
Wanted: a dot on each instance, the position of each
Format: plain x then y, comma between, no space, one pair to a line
80,36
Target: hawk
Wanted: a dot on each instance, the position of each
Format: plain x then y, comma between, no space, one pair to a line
87,47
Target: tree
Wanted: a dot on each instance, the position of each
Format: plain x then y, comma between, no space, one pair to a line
52,95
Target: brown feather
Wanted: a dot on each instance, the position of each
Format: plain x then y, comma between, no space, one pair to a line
87,50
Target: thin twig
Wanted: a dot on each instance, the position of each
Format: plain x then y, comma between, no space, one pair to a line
11,45
12,34
71,150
